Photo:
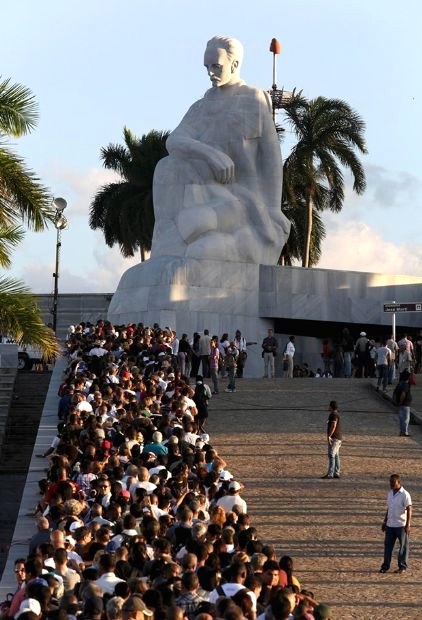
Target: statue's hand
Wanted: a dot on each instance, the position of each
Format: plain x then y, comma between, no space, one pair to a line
222,167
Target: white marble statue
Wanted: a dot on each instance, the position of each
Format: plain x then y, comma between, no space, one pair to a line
218,193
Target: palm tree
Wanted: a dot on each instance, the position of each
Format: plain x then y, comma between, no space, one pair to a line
328,131
22,200
21,319
124,210
293,248
22,197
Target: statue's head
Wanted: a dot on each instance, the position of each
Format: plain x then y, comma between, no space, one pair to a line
222,59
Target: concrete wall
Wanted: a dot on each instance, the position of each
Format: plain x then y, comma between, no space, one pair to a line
336,296
226,296
74,308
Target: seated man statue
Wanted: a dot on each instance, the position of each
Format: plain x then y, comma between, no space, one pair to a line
218,193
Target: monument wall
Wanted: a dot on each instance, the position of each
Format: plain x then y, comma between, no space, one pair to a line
192,295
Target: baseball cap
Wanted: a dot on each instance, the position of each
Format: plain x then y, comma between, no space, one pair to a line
29,604
234,486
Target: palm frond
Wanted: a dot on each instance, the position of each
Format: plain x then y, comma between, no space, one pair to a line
9,239
20,318
18,109
26,199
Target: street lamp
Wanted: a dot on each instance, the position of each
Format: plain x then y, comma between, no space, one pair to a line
60,222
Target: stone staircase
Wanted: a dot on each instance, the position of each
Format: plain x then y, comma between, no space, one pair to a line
20,430
74,308
7,382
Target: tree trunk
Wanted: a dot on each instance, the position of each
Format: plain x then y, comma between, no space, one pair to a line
142,253
308,236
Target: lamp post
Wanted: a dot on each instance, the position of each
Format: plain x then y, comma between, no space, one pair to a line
60,223
278,97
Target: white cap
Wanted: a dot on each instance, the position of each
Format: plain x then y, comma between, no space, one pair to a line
234,486
29,604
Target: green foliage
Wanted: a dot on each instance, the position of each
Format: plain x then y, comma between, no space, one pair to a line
328,132
18,109
20,318
124,210
22,197
22,200
9,239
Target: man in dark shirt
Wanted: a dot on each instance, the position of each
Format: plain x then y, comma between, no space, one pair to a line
334,437
404,402
269,351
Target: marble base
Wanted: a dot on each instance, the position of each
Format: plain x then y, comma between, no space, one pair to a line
191,295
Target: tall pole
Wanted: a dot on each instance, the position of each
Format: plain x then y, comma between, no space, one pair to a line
60,223
393,329
275,48
56,279
393,325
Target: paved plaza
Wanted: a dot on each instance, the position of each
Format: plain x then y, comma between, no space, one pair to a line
272,434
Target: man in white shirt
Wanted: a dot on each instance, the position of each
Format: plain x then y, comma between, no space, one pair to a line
405,359
97,350
233,499
396,525
107,580
383,364
204,352
290,354
238,573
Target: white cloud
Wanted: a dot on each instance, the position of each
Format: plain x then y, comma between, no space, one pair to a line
392,188
355,246
101,275
81,188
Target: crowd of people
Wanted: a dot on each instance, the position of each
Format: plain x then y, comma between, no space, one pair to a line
367,357
139,515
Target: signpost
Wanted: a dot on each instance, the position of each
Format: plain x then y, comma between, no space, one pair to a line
393,307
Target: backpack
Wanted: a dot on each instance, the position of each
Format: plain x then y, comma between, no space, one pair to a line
230,360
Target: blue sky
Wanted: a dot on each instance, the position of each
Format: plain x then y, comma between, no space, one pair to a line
96,66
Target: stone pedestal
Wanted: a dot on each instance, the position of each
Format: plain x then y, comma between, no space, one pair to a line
191,295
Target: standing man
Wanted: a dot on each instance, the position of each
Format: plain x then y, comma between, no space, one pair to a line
214,360
394,349
362,354
232,355
290,354
405,359
418,351
396,524
348,348
383,364
403,398
240,343
204,353
269,351
334,438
